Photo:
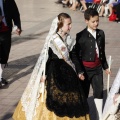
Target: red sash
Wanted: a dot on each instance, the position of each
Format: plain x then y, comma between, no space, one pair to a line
92,64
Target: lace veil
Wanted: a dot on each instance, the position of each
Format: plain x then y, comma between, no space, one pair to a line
30,96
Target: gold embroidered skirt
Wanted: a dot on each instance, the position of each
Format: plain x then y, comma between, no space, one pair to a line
42,113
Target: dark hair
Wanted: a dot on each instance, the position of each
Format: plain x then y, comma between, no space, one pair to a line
61,18
90,12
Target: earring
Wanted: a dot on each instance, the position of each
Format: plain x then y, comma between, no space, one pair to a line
61,31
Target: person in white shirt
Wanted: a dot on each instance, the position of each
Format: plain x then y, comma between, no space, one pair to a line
90,59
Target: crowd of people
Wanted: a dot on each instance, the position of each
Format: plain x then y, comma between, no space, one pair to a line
105,8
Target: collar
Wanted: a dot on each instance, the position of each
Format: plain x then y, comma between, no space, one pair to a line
91,31
89,34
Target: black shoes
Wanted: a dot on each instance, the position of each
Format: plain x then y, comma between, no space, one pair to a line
3,82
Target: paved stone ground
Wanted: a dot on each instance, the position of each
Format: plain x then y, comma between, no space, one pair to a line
36,16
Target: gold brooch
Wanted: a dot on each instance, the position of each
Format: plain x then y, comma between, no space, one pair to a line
63,48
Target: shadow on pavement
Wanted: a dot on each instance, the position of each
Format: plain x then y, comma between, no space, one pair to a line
19,68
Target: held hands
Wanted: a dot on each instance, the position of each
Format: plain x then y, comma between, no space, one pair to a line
81,77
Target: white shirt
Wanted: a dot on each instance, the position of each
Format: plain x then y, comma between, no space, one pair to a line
1,6
94,35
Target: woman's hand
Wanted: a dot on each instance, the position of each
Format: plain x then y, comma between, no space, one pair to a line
81,76
43,78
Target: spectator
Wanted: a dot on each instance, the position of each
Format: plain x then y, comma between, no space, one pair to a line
117,10
8,13
83,2
112,5
75,4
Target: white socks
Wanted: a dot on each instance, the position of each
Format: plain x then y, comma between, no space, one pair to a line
106,10
99,104
1,70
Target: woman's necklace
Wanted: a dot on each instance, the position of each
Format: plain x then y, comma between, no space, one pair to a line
63,38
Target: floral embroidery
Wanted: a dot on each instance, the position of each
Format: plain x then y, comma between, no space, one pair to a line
63,48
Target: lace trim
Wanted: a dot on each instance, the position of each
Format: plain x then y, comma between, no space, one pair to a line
31,94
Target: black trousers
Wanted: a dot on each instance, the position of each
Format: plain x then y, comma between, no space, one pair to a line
5,45
117,8
93,76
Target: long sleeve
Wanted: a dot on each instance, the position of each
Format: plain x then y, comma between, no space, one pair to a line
76,56
104,61
15,14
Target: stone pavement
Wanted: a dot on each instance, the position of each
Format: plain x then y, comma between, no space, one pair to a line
36,16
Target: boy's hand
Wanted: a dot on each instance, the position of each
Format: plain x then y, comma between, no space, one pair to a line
108,71
81,76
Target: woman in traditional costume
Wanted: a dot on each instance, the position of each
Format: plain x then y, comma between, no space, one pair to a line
54,91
